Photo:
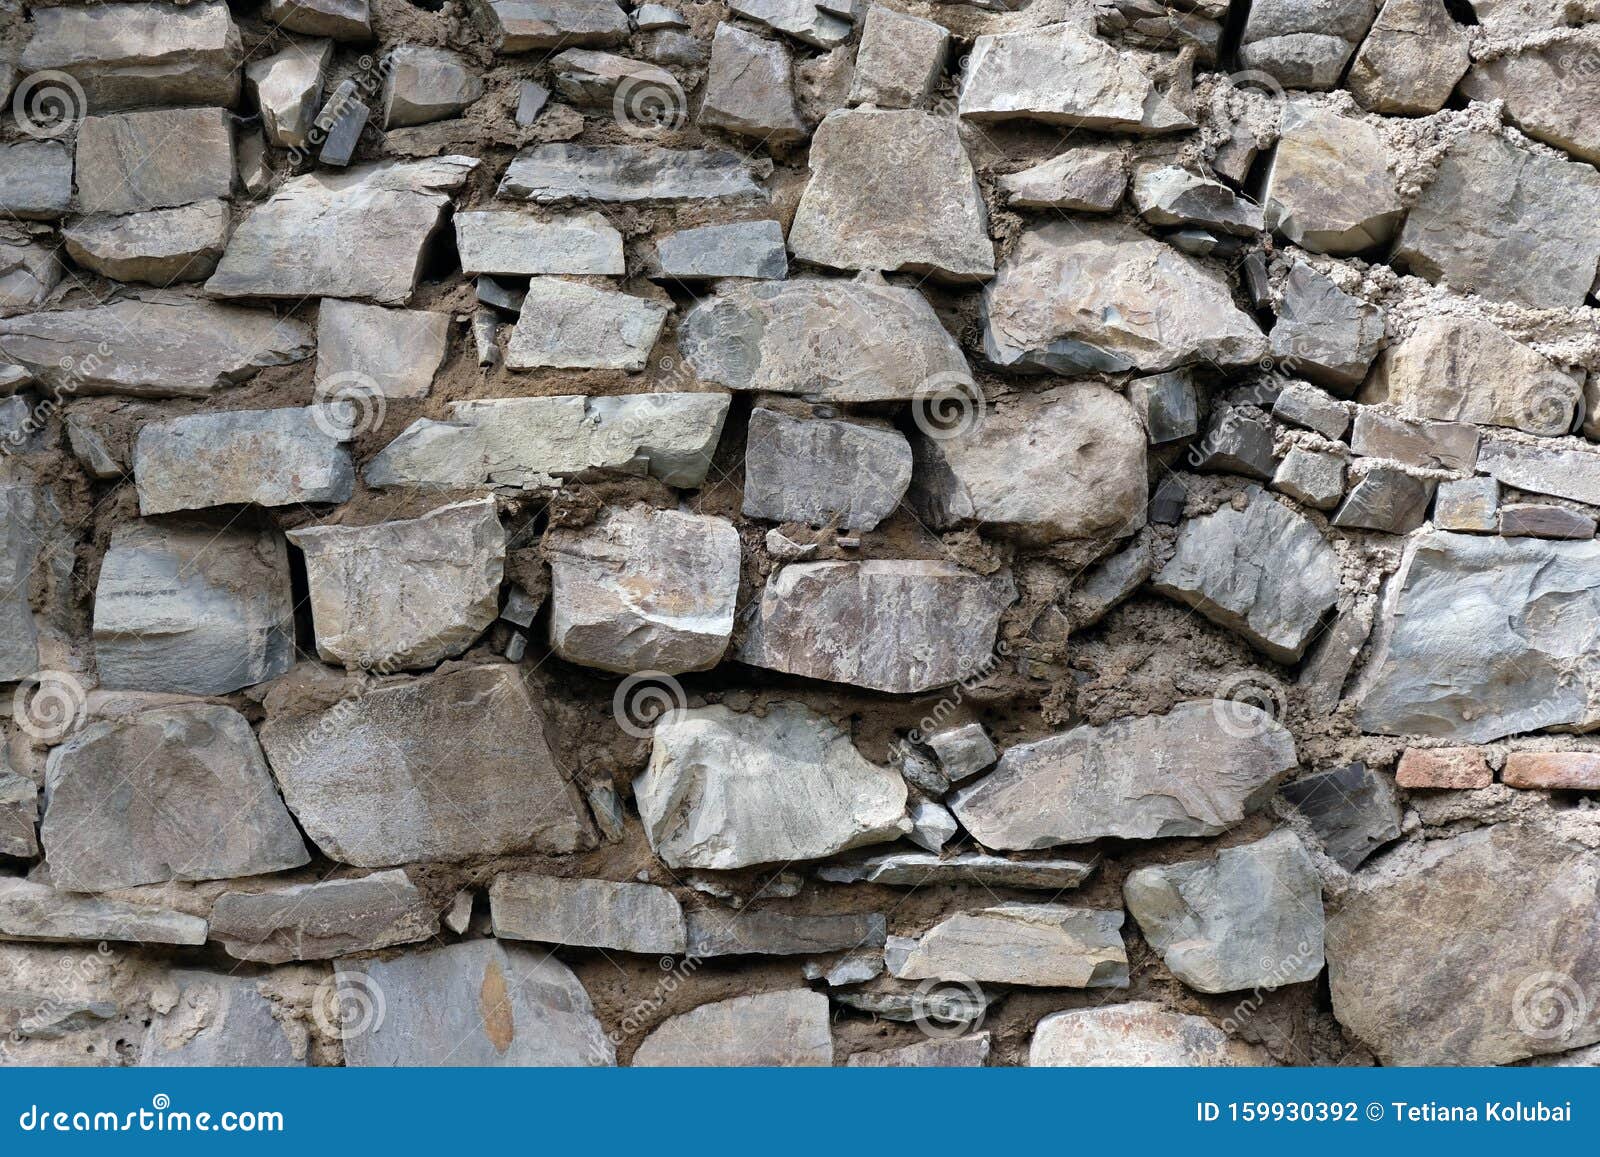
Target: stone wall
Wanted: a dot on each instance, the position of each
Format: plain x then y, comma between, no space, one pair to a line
799,532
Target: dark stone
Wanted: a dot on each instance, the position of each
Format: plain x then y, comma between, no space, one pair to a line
1352,809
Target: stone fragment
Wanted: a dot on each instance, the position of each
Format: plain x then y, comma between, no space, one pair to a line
269,457
1443,767
476,1003
888,625
531,99
899,59
604,81
340,19
323,920
531,25
737,249
643,590
1386,499
916,869
426,84
807,21
567,325
1168,502
962,751
728,790
1075,296
175,793
1552,770
153,160
1544,90
1060,74
518,441
1041,945
932,825
1324,333
1411,60
1307,406
287,87
1275,607
821,470
1525,900
32,270
340,124
759,932
506,297
1139,1033
1328,664
1471,504
588,913
625,174
160,247
840,341
406,593
448,766
1474,224
504,242
213,1020
140,54
358,234
30,911
19,815
1169,195
1329,187
1544,520
190,608
1085,179
255,174
783,1029
1108,584
393,353
750,87
1195,771
1167,405
1303,44
35,180
1571,474
1352,810
1424,444
652,17
961,1052
1314,477
919,771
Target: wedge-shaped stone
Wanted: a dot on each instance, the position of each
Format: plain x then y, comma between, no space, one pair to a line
1324,333
427,84
916,869
1527,903
30,911
586,913
523,441
1060,74
892,190
478,1003
189,607
889,625
1329,187
35,180
1084,179
565,325
784,1029
323,920
1485,637
626,174
1564,473
808,21
1075,296
1137,1034
359,233
1068,463
728,790
528,25
750,87
1264,571
394,353
1411,60
268,457
177,793
1543,94
502,241
1352,809
1170,195
819,470
842,341
215,1021
287,87
160,247
340,19
1043,945
153,160
406,593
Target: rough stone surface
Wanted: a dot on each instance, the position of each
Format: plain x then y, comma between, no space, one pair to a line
963,1052
1324,333
750,87
590,913
426,84
1413,442
742,249
566,325
19,816
161,247
786,1029
1552,770
323,920
1454,768
287,87
1086,178
1386,499
1411,60
718,932
916,869
217,1020
899,59
1542,94
1330,188
394,353
625,174
1169,195
36,179
1141,1033
30,911
821,470
1352,809
153,159
1044,945
500,241
1304,45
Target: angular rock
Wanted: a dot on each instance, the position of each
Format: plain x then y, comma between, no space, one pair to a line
406,593
426,84
1196,771
758,932
531,100
962,1052
1307,406
477,1003
963,751
916,869
1471,504
32,271
1386,499
1076,296
1169,195
1427,445
787,1029
1312,477
805,20
1139,1033
726,790
448,766
1167,405
822,470
1220,568
1572,474
500,241
1108,584
160,247
340,19
176,793
1085,179
1324,333
606,81
1301,43
19,816
1552,770
1451,768
1329,188
1043,945
738,249
153,160
30,911
393,353
531,25
1352,810
1411,60
565,325
899,59
357,234
341,122
1153,24
750,87
190,608
36,180
587,913
287,87
1543,520
644,590
932,825
268,457
626,174
216,1020
888,625
323,920
1547,92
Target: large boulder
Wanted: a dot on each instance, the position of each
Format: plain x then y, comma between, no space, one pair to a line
773,1029
1137,1034
323,920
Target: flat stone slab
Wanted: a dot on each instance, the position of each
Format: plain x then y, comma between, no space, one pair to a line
160,247
1084,179
1038,945
36,180
218,1021
624,917
1140,1033
153,159
1352,809
962,1052
37,912
566,325
393,353
626,174
323,920
530,25
505,242
915,869
1560,472
760,932
738,249
818,470
786,1029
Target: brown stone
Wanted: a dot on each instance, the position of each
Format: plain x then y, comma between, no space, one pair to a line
1444,767
1557,770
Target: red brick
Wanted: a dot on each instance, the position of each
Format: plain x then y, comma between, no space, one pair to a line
1571,770
1457,767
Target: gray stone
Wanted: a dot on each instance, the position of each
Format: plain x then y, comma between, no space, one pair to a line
35,180
1352,809
1540,520
1427,445
19,815
160,247
192,608
932,825
1075,296
887,625
340,124
727,790
287,87
917,869
1139,1033
1308,406
566,325
1196,771
340,19
255,174
839,341
670,47
586,913
532,25
1562,473
750,87
1167,405
1474,226
503,296
1168,502
962,1052
1038,945
652,17
1386,499
1544,90
519,441
1411,60
821,470
605,81
176,793
805,20
406,593
531,100
477,1003
1109,583
501,241
323,920
1524,898
426,84
907,1003
212,1020
1276,606
962,751
1329,187
1303,43
393,353
785,1029
30,911
153,160
919,771
358,234
1152,24
643,590
738,249
759,932
1324,333
1088,178
268,457
1169,195
32,271
1315,477
1470,504
626,175
899,59
448,766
